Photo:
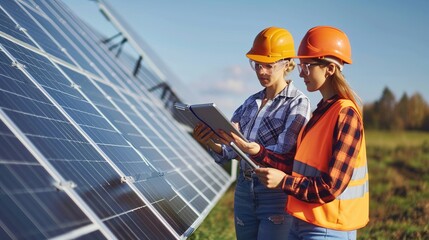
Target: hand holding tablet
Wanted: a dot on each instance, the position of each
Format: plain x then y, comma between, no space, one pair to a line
212,117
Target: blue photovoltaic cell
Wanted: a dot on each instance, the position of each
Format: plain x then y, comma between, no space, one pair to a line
9,27
30,205
136,172
55,30
33,29
74,42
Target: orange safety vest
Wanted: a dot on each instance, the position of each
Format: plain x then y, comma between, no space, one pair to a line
350,210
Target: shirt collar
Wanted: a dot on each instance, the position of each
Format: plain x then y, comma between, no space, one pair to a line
289,91
326,104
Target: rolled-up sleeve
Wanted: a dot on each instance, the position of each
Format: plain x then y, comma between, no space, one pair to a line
227,154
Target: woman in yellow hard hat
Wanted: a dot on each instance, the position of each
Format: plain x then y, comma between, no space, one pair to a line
273,118
327,183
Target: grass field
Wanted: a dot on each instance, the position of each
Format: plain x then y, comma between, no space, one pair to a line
399,191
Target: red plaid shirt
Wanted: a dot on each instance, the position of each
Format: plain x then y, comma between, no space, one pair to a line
325,188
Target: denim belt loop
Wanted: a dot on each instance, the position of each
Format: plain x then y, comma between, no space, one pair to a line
248,174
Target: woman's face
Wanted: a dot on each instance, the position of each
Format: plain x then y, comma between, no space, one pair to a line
269,74
314,74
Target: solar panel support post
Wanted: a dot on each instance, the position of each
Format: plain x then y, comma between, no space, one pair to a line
121,45
138,66
111,38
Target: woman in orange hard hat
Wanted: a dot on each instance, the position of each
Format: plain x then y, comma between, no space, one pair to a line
327,183
273,118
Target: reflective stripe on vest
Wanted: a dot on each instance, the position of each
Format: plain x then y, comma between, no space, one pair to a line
351,192
359,174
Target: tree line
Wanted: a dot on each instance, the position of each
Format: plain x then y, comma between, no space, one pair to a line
408,113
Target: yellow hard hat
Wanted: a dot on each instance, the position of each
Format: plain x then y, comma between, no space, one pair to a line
272,44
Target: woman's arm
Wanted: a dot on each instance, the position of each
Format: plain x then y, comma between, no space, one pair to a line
328,186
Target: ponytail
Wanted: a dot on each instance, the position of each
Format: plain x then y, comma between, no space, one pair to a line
343,89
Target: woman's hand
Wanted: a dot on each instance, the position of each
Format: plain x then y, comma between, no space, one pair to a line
205,136
250,148
270,177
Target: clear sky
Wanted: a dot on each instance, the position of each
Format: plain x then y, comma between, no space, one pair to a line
204,42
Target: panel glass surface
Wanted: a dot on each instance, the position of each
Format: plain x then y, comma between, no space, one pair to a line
8,26
33,29
56,30
30,205
66,149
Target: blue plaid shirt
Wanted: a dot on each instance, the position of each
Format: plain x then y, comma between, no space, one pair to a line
275,126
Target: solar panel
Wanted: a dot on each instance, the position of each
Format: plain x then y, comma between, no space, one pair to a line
86,150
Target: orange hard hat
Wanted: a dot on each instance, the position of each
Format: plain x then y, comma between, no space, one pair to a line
272,44
324,41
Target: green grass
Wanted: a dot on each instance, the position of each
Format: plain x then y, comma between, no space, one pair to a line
220,222
398,165
394,139
399,185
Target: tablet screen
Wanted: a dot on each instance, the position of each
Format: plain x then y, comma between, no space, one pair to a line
210,115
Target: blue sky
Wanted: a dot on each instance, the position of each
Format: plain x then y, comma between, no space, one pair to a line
204,42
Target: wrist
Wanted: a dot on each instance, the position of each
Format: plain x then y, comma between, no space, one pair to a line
217,148
256,150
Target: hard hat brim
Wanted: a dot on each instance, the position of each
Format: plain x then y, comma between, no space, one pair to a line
263,59
348,61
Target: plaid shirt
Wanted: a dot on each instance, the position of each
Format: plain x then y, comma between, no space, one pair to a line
275,126
325,188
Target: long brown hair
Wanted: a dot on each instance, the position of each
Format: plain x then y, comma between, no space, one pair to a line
343,89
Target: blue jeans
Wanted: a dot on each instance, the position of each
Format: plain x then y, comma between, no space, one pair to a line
306,231
259,211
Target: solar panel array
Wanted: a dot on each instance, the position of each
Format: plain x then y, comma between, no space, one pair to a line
86,151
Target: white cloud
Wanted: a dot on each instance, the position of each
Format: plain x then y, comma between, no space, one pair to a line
227,88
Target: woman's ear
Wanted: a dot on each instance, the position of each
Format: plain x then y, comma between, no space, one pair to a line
331,68
286,68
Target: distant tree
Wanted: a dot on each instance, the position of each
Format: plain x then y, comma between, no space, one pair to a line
410,113
417,110
401,111
384,109
370,117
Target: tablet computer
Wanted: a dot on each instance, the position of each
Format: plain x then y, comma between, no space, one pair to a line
208,114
